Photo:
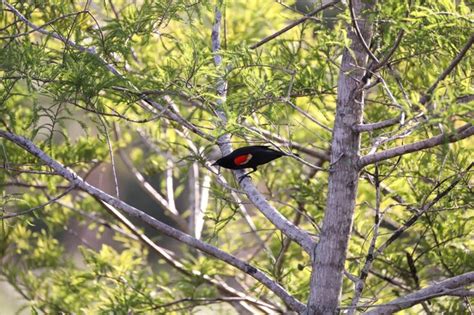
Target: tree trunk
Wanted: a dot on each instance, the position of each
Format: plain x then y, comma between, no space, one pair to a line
330,254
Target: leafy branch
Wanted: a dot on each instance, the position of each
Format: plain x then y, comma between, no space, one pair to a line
77,181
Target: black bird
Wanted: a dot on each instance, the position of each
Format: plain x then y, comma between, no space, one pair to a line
248,157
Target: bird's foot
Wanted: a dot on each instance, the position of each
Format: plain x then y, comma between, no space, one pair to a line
241,178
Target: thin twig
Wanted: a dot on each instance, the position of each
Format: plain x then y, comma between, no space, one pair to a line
359,34
295,23
416,216
50,201
111,154
305,114
427,96
360,283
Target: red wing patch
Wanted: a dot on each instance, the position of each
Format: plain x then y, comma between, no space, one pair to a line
242,159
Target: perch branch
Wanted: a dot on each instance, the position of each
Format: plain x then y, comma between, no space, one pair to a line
167,230
288,228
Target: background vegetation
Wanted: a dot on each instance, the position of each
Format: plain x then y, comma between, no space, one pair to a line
134,96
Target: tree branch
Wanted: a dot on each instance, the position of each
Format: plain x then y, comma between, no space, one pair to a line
169,112
153,193
330,255
168,256
461,133
419,213
360,282
359,34
289,229
78,182
446,287
50,201
377,125
427,96
295,23
305,114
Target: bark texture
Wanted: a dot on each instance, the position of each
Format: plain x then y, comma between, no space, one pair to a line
330,254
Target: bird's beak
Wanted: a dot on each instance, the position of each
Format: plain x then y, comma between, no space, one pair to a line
214,164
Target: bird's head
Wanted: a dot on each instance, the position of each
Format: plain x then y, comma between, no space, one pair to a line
217,163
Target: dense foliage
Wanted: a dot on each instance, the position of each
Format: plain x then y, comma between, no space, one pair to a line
76,89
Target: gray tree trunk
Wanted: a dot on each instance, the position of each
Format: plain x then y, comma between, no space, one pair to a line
330,254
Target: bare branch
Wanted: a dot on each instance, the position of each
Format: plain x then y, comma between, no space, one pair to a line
203,203
461,133
377,125
111,155
295,23
170,186
449,286
196,220
465,98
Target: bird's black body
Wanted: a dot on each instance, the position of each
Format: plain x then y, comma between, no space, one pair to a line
249,157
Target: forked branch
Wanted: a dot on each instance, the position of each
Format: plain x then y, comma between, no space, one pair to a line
167,230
